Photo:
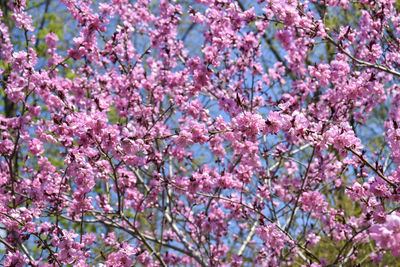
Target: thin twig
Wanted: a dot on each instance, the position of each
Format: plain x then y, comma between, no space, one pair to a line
249,236
371,166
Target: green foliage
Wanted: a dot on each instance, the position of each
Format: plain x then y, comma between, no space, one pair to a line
113,115
70,74
55,158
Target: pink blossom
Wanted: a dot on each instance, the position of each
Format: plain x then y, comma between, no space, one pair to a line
387,234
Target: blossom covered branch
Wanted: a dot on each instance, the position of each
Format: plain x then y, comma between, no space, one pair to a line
200,133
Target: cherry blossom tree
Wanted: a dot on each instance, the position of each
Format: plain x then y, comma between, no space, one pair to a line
200,133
